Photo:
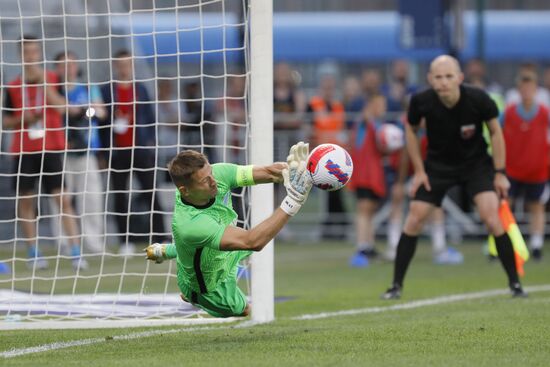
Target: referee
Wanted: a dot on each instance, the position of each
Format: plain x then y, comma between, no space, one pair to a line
454,115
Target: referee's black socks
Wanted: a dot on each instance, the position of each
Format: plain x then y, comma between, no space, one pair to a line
507,258
405,252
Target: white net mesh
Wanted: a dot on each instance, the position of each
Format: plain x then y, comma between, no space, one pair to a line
96,103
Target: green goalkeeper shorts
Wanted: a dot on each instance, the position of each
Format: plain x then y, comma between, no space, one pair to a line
226,300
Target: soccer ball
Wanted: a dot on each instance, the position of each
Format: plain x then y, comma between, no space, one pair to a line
389,138
330,167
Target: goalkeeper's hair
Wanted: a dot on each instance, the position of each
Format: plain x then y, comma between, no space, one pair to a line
183,165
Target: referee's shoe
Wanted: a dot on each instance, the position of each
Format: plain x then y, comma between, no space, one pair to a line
394,292
517,291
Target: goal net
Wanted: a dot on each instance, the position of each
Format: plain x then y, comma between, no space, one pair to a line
97,97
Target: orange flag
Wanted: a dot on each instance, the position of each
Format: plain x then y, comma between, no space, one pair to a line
512,229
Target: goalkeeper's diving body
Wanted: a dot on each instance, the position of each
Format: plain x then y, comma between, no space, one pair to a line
208,246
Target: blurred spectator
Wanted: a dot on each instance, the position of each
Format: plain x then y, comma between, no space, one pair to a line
235,102
398,90
525,128
397,171
353,100
197,128
328,127
289,102
371,82
495,96
546,85
368,179
128,134
82,176
232,111
327,114
542,95
546,78
37,146
475,73
289,105
167,121
191,108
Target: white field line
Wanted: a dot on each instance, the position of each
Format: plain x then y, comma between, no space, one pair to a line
75,343
144,334
419,303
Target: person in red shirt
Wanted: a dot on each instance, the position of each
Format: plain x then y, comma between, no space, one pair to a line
368,180
128,140
32,109
525,128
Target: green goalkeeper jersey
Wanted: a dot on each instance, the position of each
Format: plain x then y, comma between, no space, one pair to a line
197,232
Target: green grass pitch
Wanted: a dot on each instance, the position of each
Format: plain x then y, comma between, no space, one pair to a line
488,331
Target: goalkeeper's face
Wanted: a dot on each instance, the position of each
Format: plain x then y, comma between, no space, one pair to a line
203,185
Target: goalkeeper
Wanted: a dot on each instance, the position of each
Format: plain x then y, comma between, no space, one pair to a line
207,245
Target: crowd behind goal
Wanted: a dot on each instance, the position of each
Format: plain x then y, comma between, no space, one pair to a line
82,144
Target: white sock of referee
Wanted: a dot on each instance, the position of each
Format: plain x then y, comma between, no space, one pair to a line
535,241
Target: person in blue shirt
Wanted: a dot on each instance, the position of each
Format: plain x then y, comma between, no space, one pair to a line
82,176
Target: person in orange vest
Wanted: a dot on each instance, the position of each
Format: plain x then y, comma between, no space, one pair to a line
328,116
328,126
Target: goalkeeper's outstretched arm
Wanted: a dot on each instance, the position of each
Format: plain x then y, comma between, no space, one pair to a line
254,239
298,183
274,173
269,174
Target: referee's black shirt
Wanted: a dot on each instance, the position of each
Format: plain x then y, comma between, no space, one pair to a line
455,135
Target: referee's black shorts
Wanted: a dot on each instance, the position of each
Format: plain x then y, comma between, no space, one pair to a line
475,178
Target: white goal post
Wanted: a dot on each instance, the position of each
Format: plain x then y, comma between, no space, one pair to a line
209,62
261,150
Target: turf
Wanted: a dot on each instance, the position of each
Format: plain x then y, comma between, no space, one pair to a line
492,331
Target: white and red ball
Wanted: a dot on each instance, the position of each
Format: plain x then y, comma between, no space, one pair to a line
330,167
389,138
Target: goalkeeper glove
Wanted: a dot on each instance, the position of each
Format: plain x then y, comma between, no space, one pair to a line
156,252
297,179
298,153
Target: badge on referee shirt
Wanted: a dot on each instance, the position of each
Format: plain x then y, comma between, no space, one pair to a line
467,131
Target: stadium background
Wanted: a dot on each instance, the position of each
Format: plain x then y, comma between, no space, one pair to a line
315,37
327,313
